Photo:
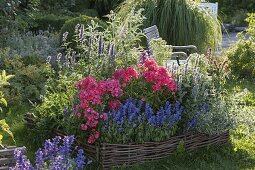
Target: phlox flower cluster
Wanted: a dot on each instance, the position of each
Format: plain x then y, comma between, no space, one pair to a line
55,155
158,75
90,94
151,72
125,75
132,113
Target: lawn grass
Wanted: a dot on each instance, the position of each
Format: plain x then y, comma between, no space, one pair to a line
239,153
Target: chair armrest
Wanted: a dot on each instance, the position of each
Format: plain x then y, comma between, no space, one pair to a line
183,47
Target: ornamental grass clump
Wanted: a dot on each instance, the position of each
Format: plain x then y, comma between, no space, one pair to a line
57,153
180,22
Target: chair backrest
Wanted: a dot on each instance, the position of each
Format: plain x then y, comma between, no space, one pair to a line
151,33
212,8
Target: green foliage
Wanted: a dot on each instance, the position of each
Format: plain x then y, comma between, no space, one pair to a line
161,51
70,25
177,19
4,129
4,82
89,12
105,6
251,29
8,8
232,9
241,57
26,44
218,120
4,126
238,19
242,54
50,21
200,89
54,5
29,80
79,5
57,102
180,149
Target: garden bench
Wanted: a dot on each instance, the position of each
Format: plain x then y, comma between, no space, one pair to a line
211,8
7,157
153,33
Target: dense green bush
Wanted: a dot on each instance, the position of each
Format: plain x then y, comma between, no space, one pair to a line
69,26
49,21
80,5
105,6
233,9
242,57
9,8
26,44
242,54
88,12
54,5
28,83
180,22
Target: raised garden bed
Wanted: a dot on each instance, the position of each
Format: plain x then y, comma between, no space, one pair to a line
109,155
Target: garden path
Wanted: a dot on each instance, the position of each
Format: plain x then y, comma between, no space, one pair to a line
229,39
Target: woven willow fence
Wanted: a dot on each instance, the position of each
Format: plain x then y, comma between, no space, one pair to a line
109,155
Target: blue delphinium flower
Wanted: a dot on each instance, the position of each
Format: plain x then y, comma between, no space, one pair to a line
201,109
136,112
55,155
22,163
39,159
192,123
80,159
66,146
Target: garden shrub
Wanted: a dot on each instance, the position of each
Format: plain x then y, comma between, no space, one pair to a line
89,12
50,21
29,80
105,6
26,44
70,25
242,54
52,5
9,8
241,57
238,19
80,5
231,9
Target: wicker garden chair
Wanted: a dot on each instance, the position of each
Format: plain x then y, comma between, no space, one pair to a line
153,33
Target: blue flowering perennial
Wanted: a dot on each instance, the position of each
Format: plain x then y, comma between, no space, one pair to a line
136,121
201,109
57,154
